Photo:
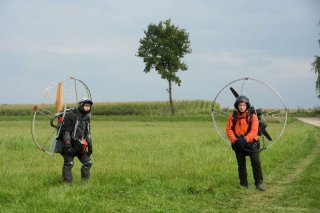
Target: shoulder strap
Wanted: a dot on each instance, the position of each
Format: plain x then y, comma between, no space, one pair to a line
234,120
249,121
249,118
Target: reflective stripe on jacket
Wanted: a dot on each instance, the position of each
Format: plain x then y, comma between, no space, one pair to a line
241,127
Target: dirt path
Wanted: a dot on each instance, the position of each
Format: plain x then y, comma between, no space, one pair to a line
264,201
313,121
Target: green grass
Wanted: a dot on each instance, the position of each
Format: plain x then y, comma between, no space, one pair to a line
303,193
151,166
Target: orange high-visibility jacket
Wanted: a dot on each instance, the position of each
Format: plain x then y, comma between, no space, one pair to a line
242,126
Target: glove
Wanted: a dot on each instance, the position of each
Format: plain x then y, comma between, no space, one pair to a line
241,142
67,149
89,152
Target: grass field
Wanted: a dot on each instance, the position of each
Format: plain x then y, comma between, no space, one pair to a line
153,166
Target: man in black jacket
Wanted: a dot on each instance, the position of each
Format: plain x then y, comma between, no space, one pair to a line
76,137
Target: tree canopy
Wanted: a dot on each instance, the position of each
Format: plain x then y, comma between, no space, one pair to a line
162,49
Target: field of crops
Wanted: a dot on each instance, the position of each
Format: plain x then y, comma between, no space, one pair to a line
143,108
148,166
182,107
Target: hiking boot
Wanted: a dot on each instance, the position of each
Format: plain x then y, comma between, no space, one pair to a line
260,187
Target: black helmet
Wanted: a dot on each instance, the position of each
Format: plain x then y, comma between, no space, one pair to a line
242,99
82,102
85,101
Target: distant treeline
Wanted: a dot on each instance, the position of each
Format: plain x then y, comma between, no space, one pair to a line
182,107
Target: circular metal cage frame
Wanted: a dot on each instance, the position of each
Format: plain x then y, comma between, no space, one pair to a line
246,81
48,144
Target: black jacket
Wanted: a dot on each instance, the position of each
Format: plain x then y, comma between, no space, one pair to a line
75,126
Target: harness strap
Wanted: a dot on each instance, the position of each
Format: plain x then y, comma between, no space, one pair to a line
235,118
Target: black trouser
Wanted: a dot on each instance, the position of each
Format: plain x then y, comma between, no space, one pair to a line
68,164
251,150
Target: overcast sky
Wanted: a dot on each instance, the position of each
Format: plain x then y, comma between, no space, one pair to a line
42,41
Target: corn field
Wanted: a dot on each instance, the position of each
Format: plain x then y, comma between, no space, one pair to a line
182,107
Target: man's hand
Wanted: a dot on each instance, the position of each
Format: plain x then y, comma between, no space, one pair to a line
241,142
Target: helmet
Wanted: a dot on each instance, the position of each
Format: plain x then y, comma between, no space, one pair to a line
85,101
82,102
242,99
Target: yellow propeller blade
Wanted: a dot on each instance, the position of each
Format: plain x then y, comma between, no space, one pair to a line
59,97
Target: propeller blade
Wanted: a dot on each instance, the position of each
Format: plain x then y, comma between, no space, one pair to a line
234,92
262,129
265,133
59,97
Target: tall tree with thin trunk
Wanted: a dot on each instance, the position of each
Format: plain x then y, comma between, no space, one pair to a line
162,49
316,68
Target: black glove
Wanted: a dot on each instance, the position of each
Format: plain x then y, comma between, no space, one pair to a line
89,152
241,142
67,149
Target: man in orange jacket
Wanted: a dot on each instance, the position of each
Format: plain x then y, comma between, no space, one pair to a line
242,130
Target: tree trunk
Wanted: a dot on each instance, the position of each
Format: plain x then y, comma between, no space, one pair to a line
170,98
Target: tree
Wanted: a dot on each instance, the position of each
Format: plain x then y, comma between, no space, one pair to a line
162,49
316,68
